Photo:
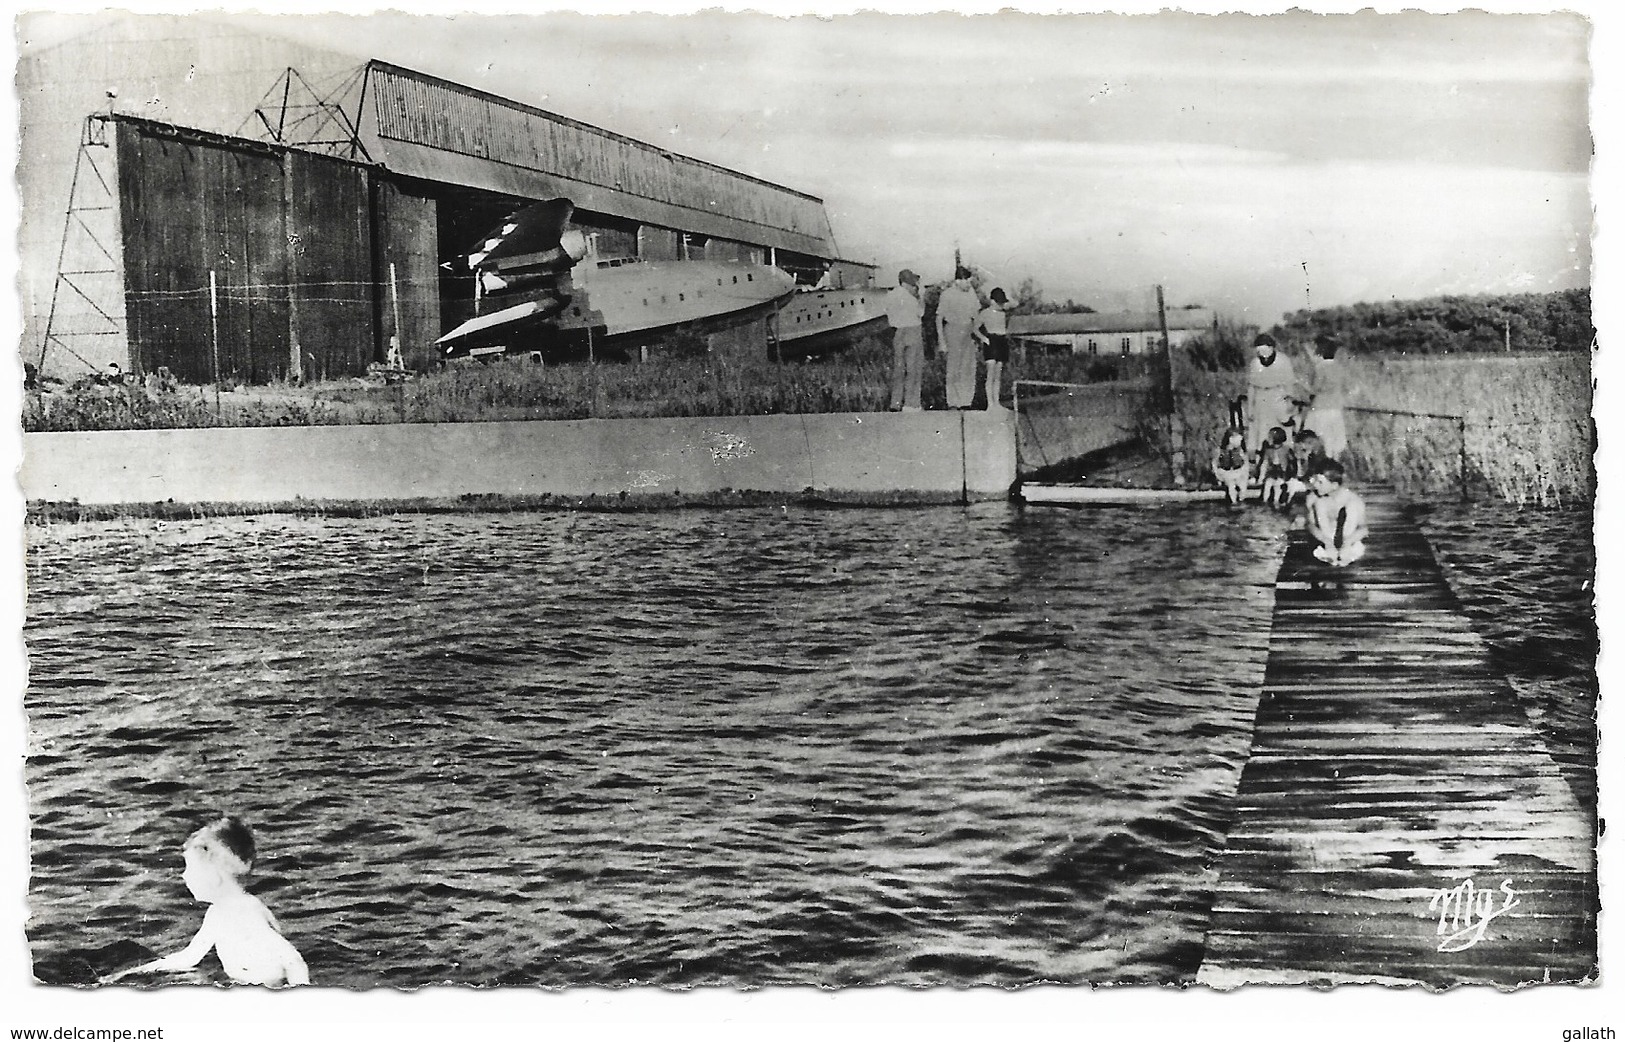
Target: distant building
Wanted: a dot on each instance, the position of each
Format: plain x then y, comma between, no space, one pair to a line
1112,333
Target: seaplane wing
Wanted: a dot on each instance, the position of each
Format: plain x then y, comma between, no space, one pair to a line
493,327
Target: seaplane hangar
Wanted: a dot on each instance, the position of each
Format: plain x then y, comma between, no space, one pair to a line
239,207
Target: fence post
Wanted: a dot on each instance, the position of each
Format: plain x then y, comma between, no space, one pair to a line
1461,430
214,338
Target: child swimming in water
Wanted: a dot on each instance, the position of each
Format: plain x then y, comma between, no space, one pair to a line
1336,516
1230,465
240,930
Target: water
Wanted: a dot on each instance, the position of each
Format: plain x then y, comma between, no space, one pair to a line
1525,577
742,747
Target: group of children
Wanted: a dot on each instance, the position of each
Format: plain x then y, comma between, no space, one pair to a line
1297,474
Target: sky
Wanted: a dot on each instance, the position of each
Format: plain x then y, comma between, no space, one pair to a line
1255,164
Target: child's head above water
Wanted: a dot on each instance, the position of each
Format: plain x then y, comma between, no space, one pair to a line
218,854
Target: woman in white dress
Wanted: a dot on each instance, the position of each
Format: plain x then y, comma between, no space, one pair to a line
1330,395
1273,391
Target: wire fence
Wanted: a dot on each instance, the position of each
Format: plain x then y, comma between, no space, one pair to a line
1544,461
1424,451
1060,422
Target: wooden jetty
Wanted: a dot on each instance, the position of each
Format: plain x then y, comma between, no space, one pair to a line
1400,820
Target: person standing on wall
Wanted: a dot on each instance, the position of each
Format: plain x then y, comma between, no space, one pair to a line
956,313
1330,395
992,331
904,309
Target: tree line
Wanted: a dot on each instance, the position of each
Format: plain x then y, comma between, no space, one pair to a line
1519,322
1522,322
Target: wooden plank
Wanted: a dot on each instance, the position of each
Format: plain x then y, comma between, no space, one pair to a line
1392,764
1396,880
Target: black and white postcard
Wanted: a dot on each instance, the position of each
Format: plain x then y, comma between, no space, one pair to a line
806,519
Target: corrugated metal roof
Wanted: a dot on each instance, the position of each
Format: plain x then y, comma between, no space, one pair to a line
422,126
1109,322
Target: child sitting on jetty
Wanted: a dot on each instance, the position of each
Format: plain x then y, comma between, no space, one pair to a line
1336,515
240,930
1230,465
1276,467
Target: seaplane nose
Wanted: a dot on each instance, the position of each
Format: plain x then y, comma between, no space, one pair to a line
574,244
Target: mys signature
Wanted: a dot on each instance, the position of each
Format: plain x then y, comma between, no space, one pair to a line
1466,911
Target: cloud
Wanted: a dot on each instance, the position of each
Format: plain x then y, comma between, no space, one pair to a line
1084,154
1099,153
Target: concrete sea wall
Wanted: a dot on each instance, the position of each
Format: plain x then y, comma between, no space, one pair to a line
879,457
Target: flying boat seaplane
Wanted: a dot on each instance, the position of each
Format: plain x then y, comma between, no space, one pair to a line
821,319
537,287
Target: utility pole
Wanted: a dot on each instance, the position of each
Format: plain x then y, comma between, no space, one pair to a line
1176,429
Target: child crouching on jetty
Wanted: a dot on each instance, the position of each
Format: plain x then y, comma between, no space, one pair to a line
240,930
1276,467
1230,465
1336,516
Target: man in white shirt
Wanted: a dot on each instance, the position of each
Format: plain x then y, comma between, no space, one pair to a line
904,310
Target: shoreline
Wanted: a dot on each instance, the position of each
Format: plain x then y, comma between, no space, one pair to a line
49,512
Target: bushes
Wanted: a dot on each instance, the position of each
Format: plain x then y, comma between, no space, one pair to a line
1557,321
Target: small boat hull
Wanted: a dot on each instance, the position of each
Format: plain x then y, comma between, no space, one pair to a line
1085,495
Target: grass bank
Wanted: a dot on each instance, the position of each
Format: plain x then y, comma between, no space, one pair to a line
709,385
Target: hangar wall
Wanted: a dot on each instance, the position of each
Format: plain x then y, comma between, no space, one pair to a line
299,247
194,70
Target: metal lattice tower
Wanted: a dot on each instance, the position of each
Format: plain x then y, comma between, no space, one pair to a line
295,114
87,300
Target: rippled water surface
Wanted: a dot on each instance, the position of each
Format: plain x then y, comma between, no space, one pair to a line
749,746
1525,577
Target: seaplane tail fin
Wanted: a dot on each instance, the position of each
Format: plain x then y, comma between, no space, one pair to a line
535,228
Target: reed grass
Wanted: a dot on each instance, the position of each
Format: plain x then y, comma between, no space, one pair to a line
102,408
1526,431
1517,427
1201,414
718,384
